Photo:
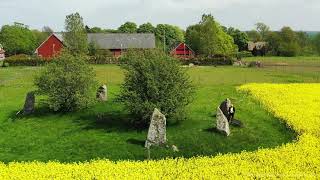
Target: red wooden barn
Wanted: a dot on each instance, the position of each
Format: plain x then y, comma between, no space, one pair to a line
182,51
116,43
50,47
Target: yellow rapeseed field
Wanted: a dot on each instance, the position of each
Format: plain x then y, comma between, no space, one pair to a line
296,104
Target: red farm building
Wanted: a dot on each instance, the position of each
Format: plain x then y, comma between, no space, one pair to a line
114,42
50,47
182,51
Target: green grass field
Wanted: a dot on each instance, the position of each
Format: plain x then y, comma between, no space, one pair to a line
306,61
103,132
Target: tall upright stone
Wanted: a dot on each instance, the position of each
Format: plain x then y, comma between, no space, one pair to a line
157,130
28,107
102,93
222,122
224,107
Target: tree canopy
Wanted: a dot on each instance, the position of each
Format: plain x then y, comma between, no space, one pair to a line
146,28
316,43
169,34
75,36
17,39
153,79
208,38
128,27
262,29
240,38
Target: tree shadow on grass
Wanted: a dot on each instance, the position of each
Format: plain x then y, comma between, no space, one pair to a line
136,142
115,121
39,113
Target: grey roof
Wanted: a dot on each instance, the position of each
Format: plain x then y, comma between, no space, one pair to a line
59,36
119,41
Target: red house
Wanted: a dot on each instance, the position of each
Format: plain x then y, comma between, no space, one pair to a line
182,51
50,47
115,43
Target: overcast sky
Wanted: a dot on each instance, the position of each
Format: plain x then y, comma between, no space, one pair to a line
242,14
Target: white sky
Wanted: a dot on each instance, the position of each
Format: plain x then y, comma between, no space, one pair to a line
242,14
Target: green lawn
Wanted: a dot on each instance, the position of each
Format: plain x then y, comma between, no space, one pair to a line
306,61
103,132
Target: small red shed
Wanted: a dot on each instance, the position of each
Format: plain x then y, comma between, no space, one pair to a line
50,47
182,51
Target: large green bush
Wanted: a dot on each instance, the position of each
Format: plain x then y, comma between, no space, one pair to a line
154,80
207,38
68,82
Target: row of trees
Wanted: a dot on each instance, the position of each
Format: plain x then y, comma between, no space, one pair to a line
286,42
206,38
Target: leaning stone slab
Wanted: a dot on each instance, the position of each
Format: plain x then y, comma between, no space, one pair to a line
29,104
102,93
222,122
157,130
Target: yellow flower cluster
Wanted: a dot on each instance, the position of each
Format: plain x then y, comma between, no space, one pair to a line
296,104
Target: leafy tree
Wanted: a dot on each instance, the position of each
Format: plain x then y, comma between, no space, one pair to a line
154,80
111,31
192,37
169,34
146,28
128,27
39,36
289,42
93,48
305,43
17,39
273,40
262,29
254,36
75,36
240,38
94,30
316,43
210,38
68,82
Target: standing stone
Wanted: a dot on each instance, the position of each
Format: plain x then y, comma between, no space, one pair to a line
157,130
102,93
222,122
29,104
224,107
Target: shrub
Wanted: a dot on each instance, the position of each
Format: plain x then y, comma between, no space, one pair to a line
209,61
244,54
25,60
68,82
102,57
154,80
